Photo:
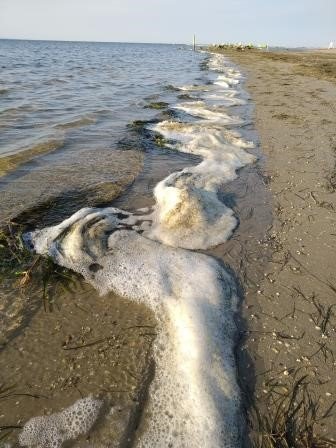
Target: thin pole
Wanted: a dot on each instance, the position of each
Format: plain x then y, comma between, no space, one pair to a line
194,43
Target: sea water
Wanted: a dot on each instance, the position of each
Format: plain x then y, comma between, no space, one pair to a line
65,111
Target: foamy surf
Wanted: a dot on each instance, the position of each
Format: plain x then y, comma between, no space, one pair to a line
200,110
188,212
194,399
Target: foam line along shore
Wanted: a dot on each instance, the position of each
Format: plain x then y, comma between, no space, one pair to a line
147,256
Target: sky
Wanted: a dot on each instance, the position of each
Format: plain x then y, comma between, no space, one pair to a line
290,23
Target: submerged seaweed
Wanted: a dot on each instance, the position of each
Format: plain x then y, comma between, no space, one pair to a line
157,105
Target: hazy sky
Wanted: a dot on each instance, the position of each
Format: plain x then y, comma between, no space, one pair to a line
277,22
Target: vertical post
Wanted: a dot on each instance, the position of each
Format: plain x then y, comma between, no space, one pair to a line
194,43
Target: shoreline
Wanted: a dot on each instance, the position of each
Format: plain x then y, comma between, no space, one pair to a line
259,256
204,332
290,313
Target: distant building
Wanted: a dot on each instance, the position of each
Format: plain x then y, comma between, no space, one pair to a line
331,45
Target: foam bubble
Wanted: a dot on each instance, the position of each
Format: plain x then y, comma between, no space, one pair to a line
53,430
201,110
194,398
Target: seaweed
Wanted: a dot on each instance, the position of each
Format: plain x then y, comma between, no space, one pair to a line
157,105
20,267
159,140
293,414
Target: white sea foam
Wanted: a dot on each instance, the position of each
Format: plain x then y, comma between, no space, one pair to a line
195,88
224,99
194,400
201,110
188,212
52,430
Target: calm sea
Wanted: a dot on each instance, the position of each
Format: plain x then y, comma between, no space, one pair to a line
66,114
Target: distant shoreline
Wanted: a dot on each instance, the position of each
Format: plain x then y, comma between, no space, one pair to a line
188,44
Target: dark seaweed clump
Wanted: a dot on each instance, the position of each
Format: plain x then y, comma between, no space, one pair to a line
157,105
292,416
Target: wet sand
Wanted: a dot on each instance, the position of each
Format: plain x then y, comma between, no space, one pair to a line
86,345
287,359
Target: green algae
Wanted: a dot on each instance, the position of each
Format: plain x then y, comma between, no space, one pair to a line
159,140
157,105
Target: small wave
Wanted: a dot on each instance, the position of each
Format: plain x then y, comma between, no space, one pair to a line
12,111
11,162
85,121
55,81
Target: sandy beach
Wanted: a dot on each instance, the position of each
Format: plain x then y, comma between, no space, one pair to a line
287,358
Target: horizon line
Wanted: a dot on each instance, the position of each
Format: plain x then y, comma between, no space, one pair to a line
95,41
141,43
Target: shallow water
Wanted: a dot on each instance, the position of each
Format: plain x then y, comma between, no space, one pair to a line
65,108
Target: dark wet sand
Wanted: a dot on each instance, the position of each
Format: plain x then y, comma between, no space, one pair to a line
290,312
87,345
